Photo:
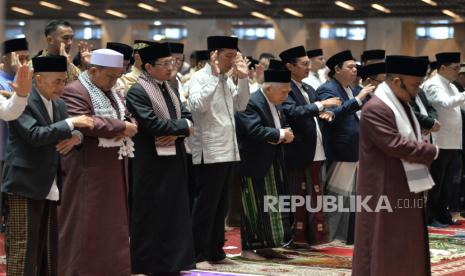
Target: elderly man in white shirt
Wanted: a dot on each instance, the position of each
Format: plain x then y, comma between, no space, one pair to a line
445,198
213,99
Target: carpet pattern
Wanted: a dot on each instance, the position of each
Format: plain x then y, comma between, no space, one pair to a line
447,248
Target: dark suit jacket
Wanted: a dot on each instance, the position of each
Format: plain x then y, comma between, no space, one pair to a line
255,133
341,135
299,113
32,162
426,122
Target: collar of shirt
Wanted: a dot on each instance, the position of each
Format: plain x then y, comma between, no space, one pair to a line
299,84
48,105
444,80
269,103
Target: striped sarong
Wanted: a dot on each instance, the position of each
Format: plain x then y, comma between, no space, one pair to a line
31,236
260,229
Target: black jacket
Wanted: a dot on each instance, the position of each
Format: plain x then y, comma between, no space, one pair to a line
257,136
301,152
426,122
32,161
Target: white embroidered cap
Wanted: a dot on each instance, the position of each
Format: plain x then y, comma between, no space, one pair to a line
107,58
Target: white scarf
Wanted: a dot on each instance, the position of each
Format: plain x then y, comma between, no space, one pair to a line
103,107
160,108
418,176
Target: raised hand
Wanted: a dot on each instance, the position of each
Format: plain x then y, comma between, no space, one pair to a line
260,73
15,63
240,66
365,91
86,52
215,64
23,84
64,53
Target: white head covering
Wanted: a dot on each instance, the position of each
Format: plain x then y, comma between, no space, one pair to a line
107,58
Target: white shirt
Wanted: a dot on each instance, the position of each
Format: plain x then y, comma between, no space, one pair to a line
213,101
313,80
319,150
54,194
275,115
351,96
12,108
447,101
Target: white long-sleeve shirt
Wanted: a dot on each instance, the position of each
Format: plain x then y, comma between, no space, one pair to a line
213,101
447,101
12,108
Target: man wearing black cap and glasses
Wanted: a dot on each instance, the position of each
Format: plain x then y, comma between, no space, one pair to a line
393,164
213,99
306,155
177,52
341,139
317,63
445,199
161,230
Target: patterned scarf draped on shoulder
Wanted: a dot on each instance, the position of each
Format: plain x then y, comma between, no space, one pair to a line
160,108
103,108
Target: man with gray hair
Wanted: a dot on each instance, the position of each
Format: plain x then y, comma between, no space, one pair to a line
262,132
93,215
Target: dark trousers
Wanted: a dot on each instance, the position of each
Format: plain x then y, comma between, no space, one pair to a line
446,173
213,182
31,236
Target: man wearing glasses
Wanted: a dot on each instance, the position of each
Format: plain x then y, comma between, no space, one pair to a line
306,155
177,53
444,198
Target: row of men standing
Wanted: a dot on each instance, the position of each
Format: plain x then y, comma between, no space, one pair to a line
93,198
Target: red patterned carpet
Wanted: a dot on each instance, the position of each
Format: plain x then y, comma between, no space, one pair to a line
447,252
447,257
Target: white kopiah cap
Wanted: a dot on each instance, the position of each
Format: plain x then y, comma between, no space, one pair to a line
107,58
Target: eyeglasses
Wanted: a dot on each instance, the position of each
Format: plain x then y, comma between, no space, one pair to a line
455,68
166,64
304,64
178,60
376,80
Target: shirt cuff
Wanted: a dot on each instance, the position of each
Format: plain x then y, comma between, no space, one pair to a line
437,153
320,106
70,124
78,133
281,134
359,101
189,123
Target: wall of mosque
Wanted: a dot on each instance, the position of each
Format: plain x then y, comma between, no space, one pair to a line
397,36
